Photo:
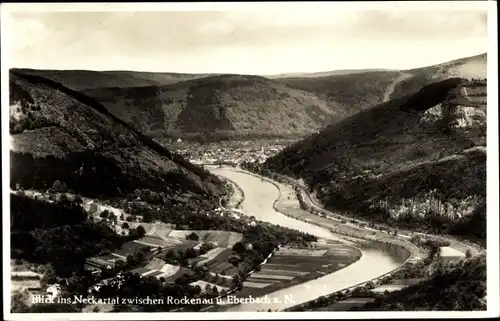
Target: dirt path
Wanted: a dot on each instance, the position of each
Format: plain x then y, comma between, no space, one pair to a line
390,89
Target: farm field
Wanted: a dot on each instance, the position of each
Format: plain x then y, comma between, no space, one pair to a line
131,247
24,284
154,268
346,304
289,266
221,238
211,255
184,245
180,272
155,264
103,260
196,260
220,263
141,271
397,285
153,240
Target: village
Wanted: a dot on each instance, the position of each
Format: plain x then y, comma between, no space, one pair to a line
156,249
230,152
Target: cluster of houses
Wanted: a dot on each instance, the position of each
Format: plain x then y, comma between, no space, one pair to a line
30,282
229,155
98,264
236,213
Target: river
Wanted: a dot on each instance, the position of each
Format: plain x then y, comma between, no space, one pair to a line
259,199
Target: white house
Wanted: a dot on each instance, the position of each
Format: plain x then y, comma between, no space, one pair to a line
53,290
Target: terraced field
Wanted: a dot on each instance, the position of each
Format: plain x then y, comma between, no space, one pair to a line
153,240
290,264
157,268
220,264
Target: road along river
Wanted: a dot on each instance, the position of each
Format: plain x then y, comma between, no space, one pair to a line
260,196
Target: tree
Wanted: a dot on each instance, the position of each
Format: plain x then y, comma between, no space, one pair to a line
236,282
57,186
133,234
147,217
131,260
19,302
190,252
170,254
234,260
193,237
205,247
49,277
140,231
239,248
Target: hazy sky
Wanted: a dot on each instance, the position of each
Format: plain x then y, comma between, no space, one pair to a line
276,40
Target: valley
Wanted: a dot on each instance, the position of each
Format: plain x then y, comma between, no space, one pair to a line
321,192
209,108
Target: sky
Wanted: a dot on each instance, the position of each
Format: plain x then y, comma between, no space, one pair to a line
258,40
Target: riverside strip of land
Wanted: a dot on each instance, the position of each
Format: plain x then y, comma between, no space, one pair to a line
261,199
264,197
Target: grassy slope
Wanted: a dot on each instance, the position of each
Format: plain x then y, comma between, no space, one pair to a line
354,91
469,67
59,134
385,162
323,73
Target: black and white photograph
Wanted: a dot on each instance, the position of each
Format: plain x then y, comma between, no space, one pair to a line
326,160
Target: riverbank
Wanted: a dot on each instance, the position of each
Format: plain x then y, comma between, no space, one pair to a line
335,226
311,203
378,234
238,196
354,274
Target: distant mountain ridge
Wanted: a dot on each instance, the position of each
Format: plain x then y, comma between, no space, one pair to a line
325,73
89,79
230,106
